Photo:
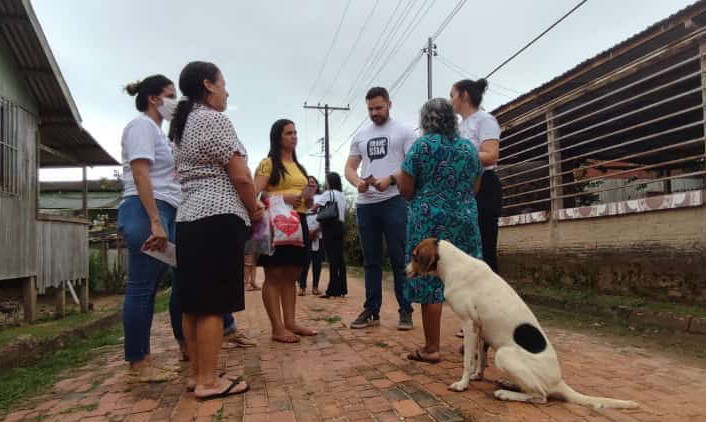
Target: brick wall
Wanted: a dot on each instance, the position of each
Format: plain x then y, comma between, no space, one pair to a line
659,255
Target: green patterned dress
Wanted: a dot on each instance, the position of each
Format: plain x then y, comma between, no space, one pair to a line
444,205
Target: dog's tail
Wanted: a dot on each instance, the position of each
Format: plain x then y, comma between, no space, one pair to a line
570,395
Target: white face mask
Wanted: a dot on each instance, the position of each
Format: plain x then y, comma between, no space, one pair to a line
167,108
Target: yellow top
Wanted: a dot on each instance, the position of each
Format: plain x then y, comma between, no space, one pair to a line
294,181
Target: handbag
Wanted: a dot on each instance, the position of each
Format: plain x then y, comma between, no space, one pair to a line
285,223
329,212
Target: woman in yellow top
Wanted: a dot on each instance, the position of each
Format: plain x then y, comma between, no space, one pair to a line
280,174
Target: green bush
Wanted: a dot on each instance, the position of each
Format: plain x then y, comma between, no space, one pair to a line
104,279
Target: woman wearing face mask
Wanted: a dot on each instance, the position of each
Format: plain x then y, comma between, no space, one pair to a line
146,216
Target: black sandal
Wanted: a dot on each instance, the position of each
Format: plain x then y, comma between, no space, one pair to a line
417,357
228,391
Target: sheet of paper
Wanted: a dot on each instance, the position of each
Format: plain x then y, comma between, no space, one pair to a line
168,256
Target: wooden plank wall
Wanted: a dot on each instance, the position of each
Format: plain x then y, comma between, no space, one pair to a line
62,253
17,213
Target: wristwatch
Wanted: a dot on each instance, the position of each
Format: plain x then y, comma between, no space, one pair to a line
393,180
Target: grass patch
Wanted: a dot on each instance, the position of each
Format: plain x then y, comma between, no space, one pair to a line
218,416
332,319
19,383
161,303
85,408
382,345
49,328
606,300
317,309
679,345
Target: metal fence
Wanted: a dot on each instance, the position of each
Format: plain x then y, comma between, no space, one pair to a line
637,133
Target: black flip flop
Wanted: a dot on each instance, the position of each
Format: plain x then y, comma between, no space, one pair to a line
221,374
417,357
228,391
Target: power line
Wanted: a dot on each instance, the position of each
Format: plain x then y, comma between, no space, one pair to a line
393,89
401,41
501,65
352,50
410,26
465,74
328,53
439,30
448,19
403,78
326,109
369,60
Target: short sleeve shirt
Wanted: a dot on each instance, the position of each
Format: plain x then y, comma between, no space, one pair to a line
478,128
208,143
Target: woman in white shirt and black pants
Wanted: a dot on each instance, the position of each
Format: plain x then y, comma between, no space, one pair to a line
482,129
146,217
334,233
315,252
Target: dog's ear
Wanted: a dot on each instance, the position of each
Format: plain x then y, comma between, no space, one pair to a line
431,267
427,256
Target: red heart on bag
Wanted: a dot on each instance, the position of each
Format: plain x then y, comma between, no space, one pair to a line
287,225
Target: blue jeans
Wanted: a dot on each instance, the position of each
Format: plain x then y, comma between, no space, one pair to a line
144,273
388,219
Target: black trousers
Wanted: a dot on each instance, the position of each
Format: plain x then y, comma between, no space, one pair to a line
315,263
333,240
490,204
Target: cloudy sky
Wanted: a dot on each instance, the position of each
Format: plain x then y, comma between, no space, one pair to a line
274,55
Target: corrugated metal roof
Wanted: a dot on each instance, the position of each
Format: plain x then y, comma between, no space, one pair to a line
74,201
565,79
60,122
104,185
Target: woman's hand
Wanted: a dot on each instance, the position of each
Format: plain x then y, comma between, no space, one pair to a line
293,199
257,214
157,240
309,191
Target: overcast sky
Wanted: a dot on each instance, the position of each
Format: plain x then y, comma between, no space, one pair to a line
271,53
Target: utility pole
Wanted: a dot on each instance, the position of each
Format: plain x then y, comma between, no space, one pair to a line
326,109
430,51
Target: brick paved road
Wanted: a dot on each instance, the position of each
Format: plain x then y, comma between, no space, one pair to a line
356,375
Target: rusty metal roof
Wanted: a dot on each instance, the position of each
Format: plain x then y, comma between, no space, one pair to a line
688,20
69,144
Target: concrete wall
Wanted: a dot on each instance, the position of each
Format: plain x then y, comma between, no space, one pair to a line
659,254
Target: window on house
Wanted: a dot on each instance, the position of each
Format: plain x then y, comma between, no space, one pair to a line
9,148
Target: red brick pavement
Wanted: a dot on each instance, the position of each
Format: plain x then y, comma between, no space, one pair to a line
362,375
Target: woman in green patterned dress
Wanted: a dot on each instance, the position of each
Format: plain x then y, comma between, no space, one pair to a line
439,176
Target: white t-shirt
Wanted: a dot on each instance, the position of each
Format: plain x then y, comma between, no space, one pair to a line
337,196
382,149
479,127
313,225
143,139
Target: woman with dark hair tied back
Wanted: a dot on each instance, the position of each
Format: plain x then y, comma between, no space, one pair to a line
334,234
280,174
482,129
439,176
218,204
146,217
